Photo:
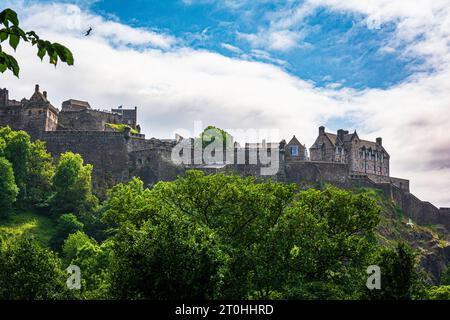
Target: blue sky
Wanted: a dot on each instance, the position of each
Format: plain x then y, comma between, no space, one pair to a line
338,48
381,67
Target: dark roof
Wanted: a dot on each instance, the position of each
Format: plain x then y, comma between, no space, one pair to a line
334,138
78,103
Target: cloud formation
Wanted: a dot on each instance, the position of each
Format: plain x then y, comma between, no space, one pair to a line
174,85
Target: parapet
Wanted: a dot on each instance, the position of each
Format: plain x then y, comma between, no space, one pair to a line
75,105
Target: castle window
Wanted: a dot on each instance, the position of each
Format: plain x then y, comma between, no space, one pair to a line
294,151
29,112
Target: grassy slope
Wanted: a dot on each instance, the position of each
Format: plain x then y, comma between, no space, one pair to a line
41,227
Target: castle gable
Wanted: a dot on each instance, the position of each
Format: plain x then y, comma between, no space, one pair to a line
295,150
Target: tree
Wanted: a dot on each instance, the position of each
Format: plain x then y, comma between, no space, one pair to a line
240,211
17,151
30,272
399,278
159,252
211,133
66,224
72,184
8,187
40,172
94,260
324,242
173,259
12,32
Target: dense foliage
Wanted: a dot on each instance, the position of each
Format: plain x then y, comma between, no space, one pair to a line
198,237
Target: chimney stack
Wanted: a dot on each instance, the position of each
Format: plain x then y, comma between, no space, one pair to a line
45,94
380,141
321,130
340,134
36,88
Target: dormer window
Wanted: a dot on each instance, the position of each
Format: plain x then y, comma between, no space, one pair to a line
294,151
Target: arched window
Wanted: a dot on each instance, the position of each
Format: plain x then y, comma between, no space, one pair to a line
294,151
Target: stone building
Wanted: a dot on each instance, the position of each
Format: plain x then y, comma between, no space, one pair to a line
34,115
362,156
37,115
294,150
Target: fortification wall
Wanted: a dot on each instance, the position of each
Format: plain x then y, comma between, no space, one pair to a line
106,151
150,160
87,120
398,182
315,171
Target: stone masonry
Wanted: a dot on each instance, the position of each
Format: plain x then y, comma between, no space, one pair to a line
118,152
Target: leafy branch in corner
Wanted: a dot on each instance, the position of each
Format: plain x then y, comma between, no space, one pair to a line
12,33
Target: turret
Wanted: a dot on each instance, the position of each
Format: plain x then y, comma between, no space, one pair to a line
4,97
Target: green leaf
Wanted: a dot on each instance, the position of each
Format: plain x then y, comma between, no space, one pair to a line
3,68
14,41
3,35
14,66
64,54
41,53
10,62
9,15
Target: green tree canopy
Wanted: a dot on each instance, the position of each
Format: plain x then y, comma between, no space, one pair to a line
30,272
72,185
17,151
8,187
39,175
325,240
400,279
214,134
171,259
66,224
94,260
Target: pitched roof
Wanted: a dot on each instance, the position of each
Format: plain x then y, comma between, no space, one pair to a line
38,96
334,138
294,140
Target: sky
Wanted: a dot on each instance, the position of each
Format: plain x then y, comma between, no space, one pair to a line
380,67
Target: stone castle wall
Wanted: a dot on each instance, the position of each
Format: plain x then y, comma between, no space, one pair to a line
106,151
87,120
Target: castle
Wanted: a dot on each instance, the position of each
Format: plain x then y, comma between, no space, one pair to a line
111,141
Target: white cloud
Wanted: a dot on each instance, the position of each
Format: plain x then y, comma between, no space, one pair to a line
173,86
231,48
281,40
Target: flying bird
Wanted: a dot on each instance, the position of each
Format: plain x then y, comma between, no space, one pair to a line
88,33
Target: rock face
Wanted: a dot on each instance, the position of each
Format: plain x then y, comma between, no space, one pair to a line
435,262
431,242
